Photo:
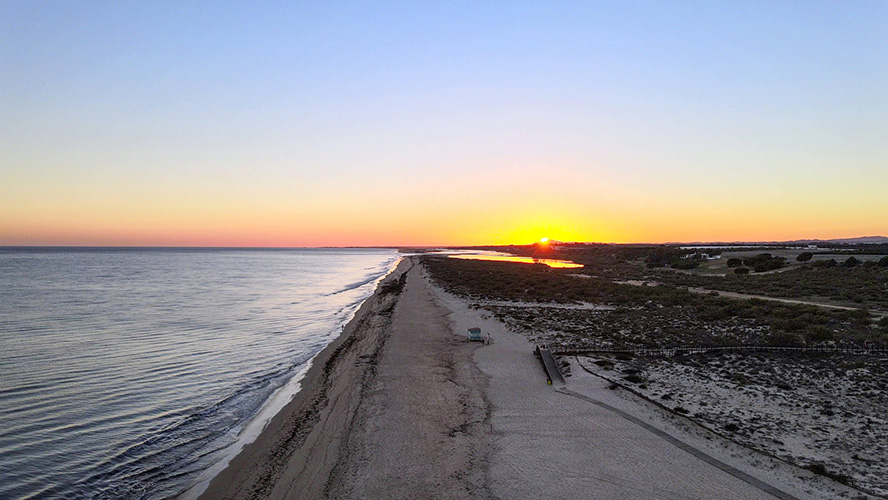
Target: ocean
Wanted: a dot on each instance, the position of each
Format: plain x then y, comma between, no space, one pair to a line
130,373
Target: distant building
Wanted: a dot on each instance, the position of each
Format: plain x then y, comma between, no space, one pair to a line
701,255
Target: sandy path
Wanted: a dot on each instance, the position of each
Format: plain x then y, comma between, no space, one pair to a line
826,305
747,296
582,306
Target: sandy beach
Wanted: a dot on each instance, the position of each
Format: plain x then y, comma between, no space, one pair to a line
393,409
401,406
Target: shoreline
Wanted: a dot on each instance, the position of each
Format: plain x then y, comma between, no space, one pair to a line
401,406
397,387
259,465
274,405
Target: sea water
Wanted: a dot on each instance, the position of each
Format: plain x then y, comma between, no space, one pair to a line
129,373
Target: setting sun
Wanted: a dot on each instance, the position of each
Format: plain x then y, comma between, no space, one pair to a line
544,240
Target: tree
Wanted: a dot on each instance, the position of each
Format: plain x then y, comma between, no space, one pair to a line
805,256
684,264
851,262
735,262
883,262
758,259
764,262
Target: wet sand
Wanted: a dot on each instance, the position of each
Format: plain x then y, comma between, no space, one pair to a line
400,406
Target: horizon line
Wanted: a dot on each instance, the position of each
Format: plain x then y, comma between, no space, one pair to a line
322,247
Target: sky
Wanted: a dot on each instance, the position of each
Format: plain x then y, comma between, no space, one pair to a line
441,123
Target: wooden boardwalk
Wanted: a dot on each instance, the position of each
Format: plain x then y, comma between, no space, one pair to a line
672,351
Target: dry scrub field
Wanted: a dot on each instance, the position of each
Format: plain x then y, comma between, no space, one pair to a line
825,411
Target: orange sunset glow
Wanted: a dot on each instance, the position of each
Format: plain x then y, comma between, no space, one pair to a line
421,217
501,135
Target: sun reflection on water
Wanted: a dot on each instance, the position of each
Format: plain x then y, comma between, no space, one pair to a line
555,263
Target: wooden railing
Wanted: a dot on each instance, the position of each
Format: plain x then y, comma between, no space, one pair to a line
672,351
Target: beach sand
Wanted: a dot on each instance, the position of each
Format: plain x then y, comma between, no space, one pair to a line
401,406
394,408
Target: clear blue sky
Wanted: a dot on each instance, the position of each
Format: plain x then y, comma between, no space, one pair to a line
377,123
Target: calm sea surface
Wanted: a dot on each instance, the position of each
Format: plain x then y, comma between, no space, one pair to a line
127,373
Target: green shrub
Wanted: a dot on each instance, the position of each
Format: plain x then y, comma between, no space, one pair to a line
758,259
734,262
790,324
684,264
741,270
826,263
819,333
775,263
783,339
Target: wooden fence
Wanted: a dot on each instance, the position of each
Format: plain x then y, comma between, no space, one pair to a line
672,351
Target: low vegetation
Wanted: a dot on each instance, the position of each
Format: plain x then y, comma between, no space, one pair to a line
644,316
865,285
822,410
764,262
